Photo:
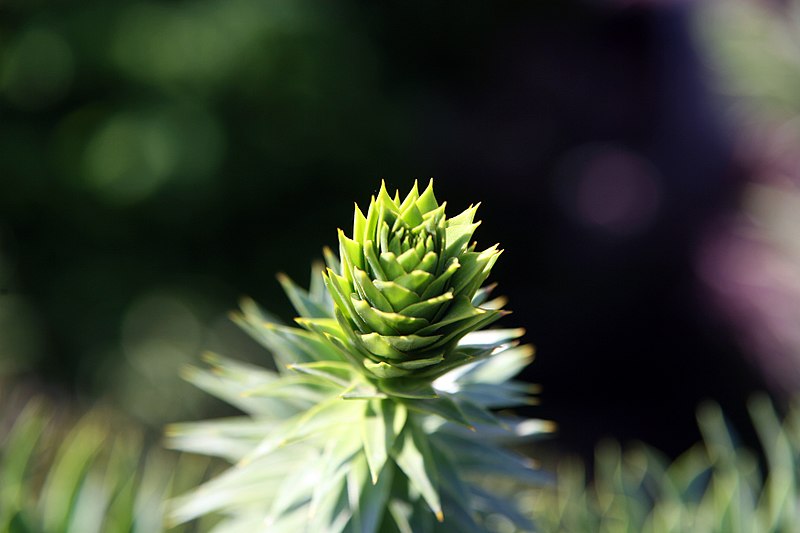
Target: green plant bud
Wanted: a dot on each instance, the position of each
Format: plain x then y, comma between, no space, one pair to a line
404,286
380,413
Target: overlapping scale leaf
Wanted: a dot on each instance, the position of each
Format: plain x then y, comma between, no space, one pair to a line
405,282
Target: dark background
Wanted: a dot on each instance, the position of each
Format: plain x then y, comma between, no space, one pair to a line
160,159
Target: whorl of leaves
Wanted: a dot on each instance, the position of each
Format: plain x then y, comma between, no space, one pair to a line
404,285
380,416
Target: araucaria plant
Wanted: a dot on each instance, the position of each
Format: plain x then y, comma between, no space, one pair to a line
382,414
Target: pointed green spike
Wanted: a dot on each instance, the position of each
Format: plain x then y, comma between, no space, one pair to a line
482,294
352,337
410,343
409,259
349,354
494,337
416,364
389,323
419,246
291,343
339,289
372,318
390,266
395,244
466,326
300,299
386,201
461,309
383,422
428,262
427,201
490,257
384,237
359,224
444,407
379,345
416,281
363,391
408,387
316,288
375,438
350,253
384,370
442,281
338,373
473,270
429,244
453,360
397,295
411,216
436,216
411,198
458,236
428,308
415,460
371,228
319,325
368,291
331,261
373,261
465,217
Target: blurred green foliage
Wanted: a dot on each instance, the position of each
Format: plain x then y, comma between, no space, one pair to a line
717,486
752,48
95,472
